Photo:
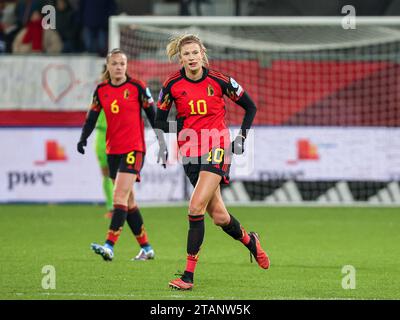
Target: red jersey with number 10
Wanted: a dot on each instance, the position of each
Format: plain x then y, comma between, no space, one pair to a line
202,104
122,107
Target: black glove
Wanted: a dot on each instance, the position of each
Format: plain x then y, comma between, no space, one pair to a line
238,145
163,155
80,146
179,124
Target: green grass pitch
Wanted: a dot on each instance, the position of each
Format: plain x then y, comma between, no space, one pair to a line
308,248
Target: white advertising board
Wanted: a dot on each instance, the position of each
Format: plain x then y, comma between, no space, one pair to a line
321,153
43,165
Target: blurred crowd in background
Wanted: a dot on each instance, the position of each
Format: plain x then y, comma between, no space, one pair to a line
82,25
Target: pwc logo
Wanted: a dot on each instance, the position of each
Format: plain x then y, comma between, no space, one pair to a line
53,152
305,151
32,178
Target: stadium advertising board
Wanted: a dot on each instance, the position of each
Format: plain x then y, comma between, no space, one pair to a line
42,165
321,153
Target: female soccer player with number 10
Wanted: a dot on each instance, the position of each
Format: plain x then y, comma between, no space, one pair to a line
204,143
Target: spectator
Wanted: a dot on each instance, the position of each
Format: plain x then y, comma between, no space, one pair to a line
24,9
94,19
185,7
2,40
10,28
33,38
66,25
134,8
75,4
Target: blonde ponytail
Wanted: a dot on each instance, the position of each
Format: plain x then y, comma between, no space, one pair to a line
176,43
105,76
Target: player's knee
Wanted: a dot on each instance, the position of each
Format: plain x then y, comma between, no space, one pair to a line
121,196
196,207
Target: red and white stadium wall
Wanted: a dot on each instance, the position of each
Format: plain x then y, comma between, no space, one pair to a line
43,106
295,154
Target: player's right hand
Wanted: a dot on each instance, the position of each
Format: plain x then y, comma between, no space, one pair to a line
81,145
238,145
163,155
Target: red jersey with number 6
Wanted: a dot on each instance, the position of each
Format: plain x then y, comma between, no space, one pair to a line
122,106
202,104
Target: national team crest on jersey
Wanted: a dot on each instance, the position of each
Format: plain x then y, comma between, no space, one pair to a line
126,94
210,90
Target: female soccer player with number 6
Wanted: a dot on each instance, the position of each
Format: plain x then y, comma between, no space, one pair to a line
122,99
204,143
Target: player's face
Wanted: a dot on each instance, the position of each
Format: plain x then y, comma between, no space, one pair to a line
191,57
117,65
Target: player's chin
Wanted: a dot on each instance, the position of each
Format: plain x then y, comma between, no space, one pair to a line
194,67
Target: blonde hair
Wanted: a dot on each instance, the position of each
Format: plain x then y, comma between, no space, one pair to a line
176,43
106,73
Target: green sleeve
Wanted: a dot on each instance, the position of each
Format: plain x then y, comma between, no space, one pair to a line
101,121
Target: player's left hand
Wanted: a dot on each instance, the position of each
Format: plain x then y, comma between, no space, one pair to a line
238,145
80,146
163,155
179,124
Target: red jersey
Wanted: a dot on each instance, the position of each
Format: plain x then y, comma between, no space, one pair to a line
122,106
202,103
